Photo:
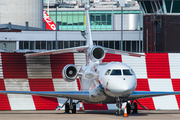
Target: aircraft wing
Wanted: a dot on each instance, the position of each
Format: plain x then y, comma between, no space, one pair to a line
78,95
68,50
147,94
119,52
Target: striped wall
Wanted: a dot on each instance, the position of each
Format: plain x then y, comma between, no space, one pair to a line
155,72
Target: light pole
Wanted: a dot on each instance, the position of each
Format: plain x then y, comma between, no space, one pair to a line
121,28
56,5
126,5
112,15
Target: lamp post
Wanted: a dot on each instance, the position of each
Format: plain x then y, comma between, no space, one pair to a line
56,5
121,28
112,16
126,5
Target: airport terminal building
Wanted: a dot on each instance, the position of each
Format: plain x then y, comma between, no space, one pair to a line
23,28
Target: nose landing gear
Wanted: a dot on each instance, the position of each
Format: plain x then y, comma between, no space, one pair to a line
118,105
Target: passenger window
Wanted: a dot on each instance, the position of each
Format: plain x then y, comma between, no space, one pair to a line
127,72
116,72
107,72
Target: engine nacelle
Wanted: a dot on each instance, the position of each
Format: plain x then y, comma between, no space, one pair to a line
97,53
70,72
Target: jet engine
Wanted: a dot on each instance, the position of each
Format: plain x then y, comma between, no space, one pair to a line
70,72
97,53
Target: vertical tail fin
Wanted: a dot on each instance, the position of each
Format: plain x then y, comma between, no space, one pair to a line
89,40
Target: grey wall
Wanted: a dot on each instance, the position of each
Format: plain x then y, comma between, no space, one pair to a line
10,46
19,11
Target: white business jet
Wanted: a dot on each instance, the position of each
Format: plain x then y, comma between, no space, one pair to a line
111,82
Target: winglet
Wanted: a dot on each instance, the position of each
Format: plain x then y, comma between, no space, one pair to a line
89,41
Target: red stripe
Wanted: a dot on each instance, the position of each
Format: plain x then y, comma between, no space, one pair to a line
59,61
88,106
112,57
4,102
43,103
143,85
157,65
176,87
79,84
14,65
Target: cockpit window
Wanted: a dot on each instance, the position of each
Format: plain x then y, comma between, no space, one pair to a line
116,72
107,72
127,72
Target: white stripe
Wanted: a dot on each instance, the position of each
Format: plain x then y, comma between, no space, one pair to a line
112,107
1,71
79,59
138,64
62,85
19,102
38,67
174,64
165,102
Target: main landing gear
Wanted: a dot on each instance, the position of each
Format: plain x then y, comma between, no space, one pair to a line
69,106
130,107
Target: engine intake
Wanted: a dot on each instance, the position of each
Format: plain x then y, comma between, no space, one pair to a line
70,72
97,53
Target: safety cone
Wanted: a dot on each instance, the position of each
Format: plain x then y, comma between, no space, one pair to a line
125,112
81,108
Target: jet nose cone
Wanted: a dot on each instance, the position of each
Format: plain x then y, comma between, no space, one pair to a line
120,88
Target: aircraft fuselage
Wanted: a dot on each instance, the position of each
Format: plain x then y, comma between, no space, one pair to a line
107,81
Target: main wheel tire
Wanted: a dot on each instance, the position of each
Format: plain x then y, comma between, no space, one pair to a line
128,108
74,108
135,110
67,108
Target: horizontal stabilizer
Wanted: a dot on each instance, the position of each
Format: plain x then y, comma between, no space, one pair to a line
68,50
119,52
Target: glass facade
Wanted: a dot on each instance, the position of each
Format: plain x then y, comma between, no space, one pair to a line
76,20
131,46
158,6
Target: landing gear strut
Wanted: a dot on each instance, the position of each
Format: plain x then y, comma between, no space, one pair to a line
118,105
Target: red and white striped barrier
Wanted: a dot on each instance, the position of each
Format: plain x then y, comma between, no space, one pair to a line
155,72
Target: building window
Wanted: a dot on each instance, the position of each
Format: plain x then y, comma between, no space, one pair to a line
71,43
49,45
117,45
131,46
21,44
31,45
38,44
43,44
77,43
26,45
106,44
66,44
111,44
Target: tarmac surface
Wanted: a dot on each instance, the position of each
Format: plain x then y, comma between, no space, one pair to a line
88,115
